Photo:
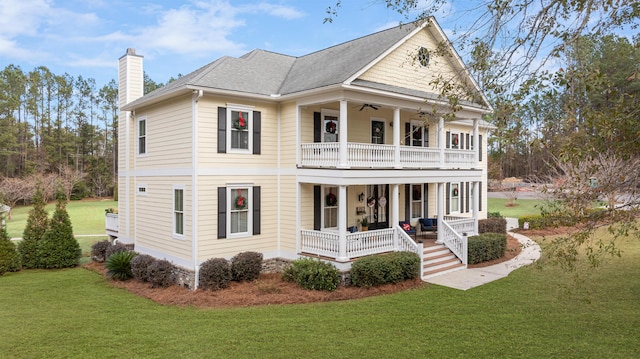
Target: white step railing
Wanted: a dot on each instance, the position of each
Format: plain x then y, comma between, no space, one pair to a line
457,243
366,155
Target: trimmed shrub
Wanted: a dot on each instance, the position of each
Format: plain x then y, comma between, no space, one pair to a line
312,274
383,269
492,225
215,274
37,224
58,247
9,256
115,248
494,215
119,265
486,247
161,274
140,266
246,266
99,250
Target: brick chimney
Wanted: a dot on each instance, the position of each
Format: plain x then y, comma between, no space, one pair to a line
130,77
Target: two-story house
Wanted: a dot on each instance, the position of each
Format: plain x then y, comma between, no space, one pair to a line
287,155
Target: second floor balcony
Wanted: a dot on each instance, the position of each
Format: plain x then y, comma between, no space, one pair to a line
365,155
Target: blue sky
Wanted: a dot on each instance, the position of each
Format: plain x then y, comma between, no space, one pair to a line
86,37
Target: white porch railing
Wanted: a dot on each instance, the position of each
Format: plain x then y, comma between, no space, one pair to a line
454,241
111,223
359,244
462,224
366,155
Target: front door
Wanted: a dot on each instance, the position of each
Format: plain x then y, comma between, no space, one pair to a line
378,206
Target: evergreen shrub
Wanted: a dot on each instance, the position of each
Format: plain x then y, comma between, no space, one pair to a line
99,250
215,274
486,247
119,265
115,248
58,247
378,270
492,225
312,274
161,274
9,256
246,266
37,224
140,266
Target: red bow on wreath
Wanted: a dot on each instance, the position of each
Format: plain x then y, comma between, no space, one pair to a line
241,120
241,201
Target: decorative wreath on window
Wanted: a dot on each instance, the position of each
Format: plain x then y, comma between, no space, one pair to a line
378,128
371,202
330,199
455,140
455,192
240,202
330,127
240,123
417,194
382,201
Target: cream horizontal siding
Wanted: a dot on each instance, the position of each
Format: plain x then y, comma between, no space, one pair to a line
399,68
154,216
288,214
208,136
288,135
169,135
209,244
306,211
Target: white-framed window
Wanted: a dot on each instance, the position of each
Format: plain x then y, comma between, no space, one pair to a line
416,197
418,135
142,136
330,128
141,190
178,211
330,207
455,140
239,211
454,197
240,125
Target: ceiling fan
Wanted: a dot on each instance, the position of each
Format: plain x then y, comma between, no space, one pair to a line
368,105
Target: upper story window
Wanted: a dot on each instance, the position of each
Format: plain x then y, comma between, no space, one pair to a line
142,136
417,134
178,212
423,57
239,129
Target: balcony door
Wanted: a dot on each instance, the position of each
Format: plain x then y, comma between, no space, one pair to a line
416,134
378,206
377,131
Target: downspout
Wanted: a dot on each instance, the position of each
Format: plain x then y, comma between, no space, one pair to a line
278,190
197,95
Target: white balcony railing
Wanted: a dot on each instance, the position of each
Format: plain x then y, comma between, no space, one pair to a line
365,155
111,223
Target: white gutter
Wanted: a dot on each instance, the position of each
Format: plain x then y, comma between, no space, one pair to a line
197,95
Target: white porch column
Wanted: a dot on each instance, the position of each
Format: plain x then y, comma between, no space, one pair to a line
342,224
441,140
396,138
440,198
476,139
395,210
476,205
298,134
342,135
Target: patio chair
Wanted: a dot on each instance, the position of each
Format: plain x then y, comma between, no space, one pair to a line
428,225
410,230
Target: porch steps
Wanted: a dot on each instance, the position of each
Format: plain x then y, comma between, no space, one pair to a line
438,259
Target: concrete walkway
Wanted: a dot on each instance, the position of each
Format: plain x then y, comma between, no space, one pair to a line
473,277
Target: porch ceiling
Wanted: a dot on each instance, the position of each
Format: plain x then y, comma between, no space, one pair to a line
358,177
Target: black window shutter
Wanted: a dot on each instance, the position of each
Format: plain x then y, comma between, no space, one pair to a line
461,144
426,137
425,200
257,128
466,196
448,198
256,209
448,140
222,212
317,127
222,130
480,147
407,134
467,142
407,202
317,207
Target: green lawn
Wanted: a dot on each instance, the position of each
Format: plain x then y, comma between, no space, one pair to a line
87,216
75,313
522,207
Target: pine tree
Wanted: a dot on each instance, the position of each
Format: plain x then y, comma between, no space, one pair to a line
37,224
59,248
9,257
